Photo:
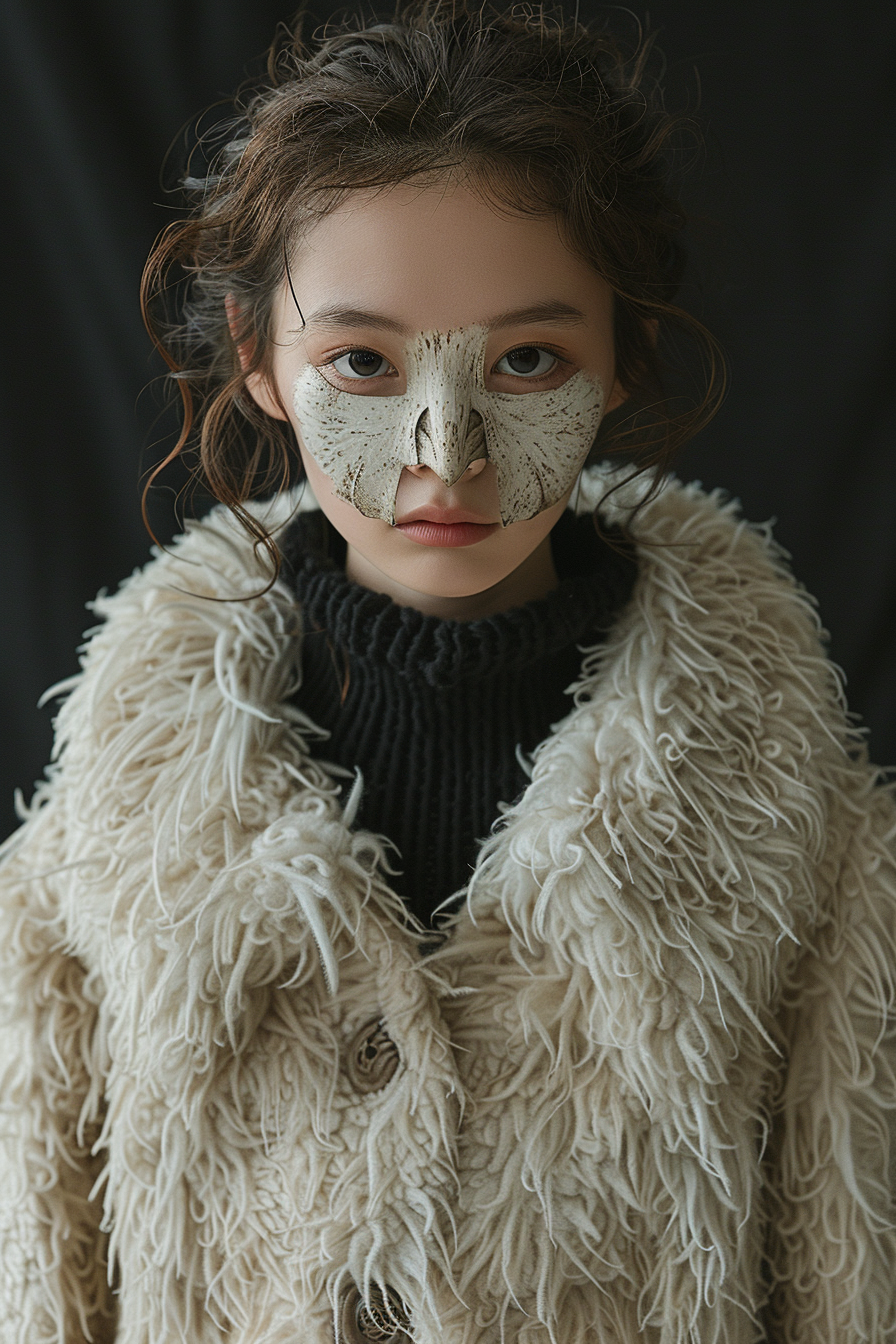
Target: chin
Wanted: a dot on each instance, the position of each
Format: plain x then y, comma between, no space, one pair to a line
429,582
451,590
426,576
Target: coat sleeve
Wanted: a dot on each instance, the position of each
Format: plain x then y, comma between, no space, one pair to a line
834,1212
53,1280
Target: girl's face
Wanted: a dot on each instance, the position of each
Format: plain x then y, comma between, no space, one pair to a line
389,285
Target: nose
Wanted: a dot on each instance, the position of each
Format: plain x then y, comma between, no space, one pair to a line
448,436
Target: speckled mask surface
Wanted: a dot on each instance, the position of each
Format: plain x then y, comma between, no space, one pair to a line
445,420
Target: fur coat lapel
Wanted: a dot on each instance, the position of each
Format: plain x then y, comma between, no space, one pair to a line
651,904
646,1076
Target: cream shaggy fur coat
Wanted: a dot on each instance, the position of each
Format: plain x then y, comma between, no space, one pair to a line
641,1093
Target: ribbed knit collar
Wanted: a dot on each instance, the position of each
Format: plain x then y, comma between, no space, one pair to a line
371,628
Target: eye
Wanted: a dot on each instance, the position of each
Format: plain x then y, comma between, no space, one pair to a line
361,364
526,361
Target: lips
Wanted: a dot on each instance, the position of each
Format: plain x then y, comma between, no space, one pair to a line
431,513
431,526
427,533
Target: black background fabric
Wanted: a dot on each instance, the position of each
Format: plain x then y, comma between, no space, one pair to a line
792,201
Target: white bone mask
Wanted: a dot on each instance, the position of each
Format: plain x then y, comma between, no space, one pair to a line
445,420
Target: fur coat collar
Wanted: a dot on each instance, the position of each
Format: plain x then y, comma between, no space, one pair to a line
640,1093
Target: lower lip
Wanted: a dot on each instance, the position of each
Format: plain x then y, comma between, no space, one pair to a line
447,534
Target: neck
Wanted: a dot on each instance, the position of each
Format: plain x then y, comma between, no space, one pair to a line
534,578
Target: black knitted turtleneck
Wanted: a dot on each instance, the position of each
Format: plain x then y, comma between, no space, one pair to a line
435,712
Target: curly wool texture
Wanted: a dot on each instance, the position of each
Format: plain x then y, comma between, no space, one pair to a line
644,1087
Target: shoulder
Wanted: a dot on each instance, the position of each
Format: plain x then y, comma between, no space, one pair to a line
185,684
698,523
703,567
720,654
200,604
179,751
215,557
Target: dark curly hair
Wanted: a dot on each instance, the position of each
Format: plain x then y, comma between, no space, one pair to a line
541,113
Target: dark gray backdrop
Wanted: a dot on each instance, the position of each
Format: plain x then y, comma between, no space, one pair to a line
793,200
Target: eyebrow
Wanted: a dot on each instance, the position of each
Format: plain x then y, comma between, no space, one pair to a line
338,316
551,311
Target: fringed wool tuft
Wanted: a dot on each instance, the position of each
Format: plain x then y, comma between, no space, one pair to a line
641,1093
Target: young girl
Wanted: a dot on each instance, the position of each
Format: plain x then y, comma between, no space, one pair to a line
634,1082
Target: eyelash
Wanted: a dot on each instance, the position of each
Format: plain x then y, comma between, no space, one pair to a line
366,350
360,350
548,350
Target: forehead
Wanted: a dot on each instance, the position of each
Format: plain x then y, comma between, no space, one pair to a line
438,258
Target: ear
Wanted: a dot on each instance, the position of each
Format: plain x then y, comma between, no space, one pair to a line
257,384
618,393
617,396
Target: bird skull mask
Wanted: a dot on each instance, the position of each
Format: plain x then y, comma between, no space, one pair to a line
447,419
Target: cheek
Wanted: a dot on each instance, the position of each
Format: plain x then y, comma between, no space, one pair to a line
315,477
517,541
349,522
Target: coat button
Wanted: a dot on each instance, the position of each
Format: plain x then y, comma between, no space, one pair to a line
372,1058
384,1321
